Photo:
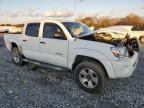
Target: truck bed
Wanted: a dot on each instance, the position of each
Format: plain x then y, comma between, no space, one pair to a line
9,38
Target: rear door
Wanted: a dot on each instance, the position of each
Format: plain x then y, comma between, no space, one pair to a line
30,41
53,50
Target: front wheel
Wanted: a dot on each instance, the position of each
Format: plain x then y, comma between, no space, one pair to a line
90,76
16,56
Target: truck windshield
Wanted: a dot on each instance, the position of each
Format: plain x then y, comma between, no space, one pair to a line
76,29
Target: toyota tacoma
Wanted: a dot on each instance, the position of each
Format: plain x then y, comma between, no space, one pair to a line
70,45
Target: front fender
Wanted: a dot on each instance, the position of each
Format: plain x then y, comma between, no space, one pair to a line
95,55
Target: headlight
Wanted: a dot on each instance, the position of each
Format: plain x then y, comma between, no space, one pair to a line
120,52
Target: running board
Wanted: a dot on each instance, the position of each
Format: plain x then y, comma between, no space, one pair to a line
46,65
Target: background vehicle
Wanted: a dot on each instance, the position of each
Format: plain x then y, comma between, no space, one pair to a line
10,29
68,45
121,31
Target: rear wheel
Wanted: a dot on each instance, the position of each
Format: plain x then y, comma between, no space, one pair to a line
16,56
90,76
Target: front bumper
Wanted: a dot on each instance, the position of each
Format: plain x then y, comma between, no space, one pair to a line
125,67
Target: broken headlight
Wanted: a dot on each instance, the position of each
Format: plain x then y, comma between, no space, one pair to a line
120,52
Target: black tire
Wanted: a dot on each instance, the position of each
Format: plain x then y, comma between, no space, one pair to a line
16,53
99,71
141,39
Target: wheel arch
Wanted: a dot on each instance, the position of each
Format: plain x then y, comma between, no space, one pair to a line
80,58
15,44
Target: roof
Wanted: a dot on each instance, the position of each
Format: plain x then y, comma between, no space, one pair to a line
117,29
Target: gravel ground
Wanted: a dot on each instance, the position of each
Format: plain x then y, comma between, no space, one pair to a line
29,87
1,40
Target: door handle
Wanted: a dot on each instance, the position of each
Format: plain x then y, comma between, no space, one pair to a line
43,42
59,54
24,40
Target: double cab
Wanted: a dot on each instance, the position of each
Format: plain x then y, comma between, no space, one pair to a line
71,45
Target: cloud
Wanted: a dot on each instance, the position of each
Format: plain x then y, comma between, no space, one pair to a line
36,13
142,7
19,13
2,14
59,13
111,12
32,12
14,15
81,0
83,14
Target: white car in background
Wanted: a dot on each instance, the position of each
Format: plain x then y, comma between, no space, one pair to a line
122,31
10,29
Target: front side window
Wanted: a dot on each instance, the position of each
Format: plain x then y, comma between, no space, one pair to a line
53,31
32,29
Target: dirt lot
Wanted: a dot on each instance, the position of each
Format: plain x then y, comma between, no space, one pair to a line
23,87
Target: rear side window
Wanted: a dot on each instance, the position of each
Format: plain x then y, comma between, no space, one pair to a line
32,29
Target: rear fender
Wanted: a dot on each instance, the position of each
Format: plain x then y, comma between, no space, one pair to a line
10,42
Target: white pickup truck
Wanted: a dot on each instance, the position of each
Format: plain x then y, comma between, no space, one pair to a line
69,45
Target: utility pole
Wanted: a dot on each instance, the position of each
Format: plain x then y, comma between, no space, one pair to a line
75,8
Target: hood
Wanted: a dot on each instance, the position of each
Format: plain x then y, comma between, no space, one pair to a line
94,37
130,43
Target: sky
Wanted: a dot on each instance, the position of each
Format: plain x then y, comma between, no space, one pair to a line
19,11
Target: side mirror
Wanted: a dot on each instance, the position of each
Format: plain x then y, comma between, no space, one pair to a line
59,35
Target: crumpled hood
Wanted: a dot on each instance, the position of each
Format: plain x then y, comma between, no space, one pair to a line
93,37
130,43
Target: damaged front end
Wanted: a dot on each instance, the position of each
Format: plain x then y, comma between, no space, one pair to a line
131,44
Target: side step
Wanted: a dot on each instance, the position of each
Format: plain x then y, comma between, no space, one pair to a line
46,65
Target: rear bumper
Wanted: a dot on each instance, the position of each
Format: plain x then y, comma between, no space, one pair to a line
125,67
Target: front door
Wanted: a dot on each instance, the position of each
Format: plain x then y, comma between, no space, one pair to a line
53,48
